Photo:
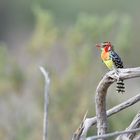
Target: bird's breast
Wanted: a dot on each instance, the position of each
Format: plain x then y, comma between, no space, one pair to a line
109,64
107,60
105,56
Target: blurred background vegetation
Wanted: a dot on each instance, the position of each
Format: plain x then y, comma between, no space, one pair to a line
61,36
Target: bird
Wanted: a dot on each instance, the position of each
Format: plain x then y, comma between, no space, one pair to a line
113,61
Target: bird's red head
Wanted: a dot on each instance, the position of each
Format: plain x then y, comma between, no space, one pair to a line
106,46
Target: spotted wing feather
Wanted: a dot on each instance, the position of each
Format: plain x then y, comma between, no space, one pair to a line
118,64
116,59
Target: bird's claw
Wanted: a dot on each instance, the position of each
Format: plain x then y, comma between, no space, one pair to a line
117,74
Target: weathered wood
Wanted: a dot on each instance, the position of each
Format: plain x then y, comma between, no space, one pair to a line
134,125
46,103
78,132
88,122
100,100
101,93
105,136
107,80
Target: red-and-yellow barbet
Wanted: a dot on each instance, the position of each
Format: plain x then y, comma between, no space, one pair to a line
112,61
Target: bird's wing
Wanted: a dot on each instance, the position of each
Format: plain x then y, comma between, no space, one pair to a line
116,59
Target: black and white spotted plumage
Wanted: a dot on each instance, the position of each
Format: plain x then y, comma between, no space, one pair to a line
116,59
117,64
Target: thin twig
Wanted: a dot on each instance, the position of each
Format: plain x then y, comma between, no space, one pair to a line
46,103
78,132
113,134
134,125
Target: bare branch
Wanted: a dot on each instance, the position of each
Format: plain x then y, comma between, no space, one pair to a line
111,77
92,121
134,124
101,92
46,103
124,105
113,134
127,73
100,100
77,134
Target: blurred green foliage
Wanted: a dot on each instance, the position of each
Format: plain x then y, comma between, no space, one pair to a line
45,32
68,52
4,80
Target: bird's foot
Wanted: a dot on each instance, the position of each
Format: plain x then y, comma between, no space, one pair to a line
117,74
114,75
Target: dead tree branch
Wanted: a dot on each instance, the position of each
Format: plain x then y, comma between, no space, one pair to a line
105,136
46,103
101,93
100,99
134,125
88,122
79,131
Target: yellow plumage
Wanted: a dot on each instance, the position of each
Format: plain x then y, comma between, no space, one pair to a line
109,64
107,60
112,61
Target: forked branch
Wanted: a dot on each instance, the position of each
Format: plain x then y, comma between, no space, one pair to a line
127,134
101,93
135,124
88,122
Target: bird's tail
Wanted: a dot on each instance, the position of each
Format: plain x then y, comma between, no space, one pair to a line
120,86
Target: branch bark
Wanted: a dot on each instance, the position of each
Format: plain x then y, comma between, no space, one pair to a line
128,134
78,133
46,103
101,93
105,136
107,80
88,122
134,125
100,100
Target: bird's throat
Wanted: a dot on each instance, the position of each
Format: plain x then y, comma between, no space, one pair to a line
105,55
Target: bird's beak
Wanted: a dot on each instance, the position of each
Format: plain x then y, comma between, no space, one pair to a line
98,45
